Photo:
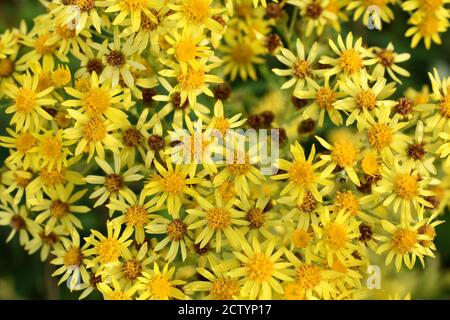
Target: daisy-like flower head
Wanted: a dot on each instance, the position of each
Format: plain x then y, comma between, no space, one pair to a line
15,180
383,134
176,234
312,277
262,269
133,8
418,152
106,250
171,185
188,46
344,154
405,189
351,57
387,62
131,265
439,120
337,235
160,284
217,218
66,13
135,214
302,176
98,100
353,203
118,61
324,96
28,103
300,66
114,181
192,80
315,14
21,147
93,134
193,14
427,28
71,258
403,242
362,8
217,283
59,209
362,96
240,54
17,218
116,292
45,242
52,150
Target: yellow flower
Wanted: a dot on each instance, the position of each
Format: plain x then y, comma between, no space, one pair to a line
28,103
300,66
362,8
315,15
302,176
160,285
133,8
262,268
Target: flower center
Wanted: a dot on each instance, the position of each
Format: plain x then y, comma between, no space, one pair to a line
191,79
176,230
218,219
404,240
429,26
7,68
96,101
256,217
85,5
51,147
196,11
369,164
308,276
350,61
336,236
260,267
344,153
109,250
131,269
444,106
416,151
174,183
25,141
380,136
224,288
301,238
226,190
309,203
301,69
17,222
325,97
347,201
365,232
148,24
314,10
156,142
366,100
404,106
52,177
242,54
386,57
137,216
113,182
221,125
132,137
429,231
134,5
65,32
73,257
160,287
115,58
185,50
25,100
294,291
94,130
41,47
94,65
59,209
405,186
302,173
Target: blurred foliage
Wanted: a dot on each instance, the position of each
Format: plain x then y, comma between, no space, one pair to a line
26,277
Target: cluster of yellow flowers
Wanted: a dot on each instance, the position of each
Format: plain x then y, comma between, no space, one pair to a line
95,90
